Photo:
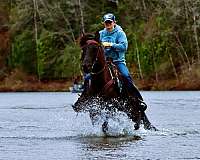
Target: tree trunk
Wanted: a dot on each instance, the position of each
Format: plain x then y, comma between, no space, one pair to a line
81,17
138,59
36,35
4,38
183,50
196,37
173,67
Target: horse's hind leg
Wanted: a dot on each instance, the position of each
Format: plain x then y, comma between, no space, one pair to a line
135,114
105,126
147,123
138,121
136,117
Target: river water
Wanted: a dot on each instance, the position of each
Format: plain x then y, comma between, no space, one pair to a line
43,126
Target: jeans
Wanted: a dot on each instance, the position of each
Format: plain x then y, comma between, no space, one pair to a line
128,81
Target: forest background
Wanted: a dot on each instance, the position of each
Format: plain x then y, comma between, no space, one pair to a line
39,48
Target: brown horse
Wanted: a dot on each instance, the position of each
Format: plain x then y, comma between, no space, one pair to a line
107,84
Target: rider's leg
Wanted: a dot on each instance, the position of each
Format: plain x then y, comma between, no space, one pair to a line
86,85
128,80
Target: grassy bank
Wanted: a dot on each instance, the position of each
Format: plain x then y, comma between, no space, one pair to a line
54,86
19,81
186,78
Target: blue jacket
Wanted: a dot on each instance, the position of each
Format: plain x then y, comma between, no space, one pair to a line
120,43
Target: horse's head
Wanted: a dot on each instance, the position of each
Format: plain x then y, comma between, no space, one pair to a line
90,52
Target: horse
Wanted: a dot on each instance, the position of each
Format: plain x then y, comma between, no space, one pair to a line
106,82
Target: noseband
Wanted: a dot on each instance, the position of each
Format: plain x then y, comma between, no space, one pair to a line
93,42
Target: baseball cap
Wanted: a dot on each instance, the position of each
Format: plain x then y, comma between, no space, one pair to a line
108,17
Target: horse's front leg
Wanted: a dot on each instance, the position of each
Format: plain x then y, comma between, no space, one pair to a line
79,104
138,117
134,112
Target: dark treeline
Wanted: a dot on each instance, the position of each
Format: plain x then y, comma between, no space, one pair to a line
40,38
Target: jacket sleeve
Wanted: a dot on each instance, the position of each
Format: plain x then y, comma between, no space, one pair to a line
122,43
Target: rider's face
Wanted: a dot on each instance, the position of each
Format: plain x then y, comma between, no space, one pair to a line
109,25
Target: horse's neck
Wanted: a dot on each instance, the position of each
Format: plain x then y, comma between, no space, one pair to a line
106,76
99,80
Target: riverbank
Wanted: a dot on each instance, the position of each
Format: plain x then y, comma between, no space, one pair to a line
39,86
32,85
168,85
18,81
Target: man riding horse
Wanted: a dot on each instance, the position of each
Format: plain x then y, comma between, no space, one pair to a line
107,77
115,43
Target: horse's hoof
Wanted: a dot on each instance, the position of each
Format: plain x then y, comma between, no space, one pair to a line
150,127
142,106
154,128
105,127
136,126
75,108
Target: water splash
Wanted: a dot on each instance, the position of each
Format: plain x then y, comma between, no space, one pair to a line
95,112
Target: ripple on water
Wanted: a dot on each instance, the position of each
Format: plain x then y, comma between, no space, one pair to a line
27,107
51,130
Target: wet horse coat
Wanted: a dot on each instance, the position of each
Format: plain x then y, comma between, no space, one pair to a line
106,82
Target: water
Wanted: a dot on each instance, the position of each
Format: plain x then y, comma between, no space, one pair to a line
43,126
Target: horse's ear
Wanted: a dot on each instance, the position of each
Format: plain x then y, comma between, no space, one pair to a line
97,36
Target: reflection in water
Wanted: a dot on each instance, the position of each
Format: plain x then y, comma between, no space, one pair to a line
44,126
111,147
105,143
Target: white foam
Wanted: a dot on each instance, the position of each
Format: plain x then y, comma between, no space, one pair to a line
119,124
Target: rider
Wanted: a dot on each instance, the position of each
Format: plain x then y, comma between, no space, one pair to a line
115,43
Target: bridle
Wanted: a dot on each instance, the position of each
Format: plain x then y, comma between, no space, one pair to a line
93,42
100,49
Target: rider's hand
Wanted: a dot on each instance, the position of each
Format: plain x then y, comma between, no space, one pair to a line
107,44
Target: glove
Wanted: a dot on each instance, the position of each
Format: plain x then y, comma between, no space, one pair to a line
107,44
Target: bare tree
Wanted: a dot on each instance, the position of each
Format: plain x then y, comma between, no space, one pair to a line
81,16
173,67
36,33
138,59
196,35
183,50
